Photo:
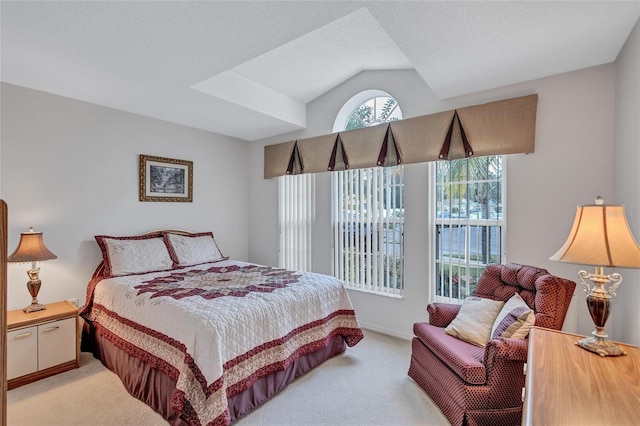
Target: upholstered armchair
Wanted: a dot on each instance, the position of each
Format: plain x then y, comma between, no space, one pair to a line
476,385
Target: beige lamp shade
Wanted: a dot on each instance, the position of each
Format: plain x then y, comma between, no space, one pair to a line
600,236
31,248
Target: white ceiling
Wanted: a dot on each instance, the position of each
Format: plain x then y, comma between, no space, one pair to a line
248,68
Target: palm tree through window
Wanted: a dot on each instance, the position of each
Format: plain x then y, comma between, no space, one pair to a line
469,224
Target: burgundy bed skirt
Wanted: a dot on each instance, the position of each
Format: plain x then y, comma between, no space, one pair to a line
155,388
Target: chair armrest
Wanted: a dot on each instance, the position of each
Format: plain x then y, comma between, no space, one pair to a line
503,348
441,314
504,361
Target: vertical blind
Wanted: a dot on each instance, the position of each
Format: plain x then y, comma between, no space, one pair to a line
369,229
296,197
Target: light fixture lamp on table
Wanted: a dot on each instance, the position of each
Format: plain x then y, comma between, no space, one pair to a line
601,237
31,249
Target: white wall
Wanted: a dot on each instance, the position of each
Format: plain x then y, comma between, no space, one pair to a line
626,315
575,131
70,169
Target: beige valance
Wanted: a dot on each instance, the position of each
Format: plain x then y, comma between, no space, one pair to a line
496,128
277,158
315,152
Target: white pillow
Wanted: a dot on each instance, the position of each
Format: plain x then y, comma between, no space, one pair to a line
134,255
193,249
474,320
514,320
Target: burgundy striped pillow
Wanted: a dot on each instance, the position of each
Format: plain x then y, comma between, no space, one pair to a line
514,320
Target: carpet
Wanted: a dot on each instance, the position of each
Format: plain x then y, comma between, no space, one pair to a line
367,385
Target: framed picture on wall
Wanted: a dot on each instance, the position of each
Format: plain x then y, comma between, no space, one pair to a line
165,179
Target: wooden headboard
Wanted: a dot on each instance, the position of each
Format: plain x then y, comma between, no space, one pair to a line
3,313
100,269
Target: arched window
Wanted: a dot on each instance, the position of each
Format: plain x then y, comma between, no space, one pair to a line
353,114
368,207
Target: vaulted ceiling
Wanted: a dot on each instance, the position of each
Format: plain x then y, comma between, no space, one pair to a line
247,69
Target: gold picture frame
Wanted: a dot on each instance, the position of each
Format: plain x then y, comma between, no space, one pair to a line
165,179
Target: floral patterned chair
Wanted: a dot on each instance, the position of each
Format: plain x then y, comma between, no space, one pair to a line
475,385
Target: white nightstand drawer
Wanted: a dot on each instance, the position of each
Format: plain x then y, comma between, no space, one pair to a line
56,343
22,352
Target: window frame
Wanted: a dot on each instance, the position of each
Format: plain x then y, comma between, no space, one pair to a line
434,222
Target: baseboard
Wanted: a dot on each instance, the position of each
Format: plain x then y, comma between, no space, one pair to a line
387,331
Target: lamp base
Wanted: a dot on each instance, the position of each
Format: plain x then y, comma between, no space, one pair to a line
601,346
599,304
33,285
34,307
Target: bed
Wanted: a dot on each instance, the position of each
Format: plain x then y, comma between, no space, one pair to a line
203,339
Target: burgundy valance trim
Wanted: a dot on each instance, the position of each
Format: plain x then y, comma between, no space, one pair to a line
389,155
444,152
296,166
338,153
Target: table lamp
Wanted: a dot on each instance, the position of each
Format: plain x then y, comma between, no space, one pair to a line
31,249
601,237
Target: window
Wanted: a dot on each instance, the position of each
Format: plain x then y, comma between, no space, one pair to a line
368,209
469,223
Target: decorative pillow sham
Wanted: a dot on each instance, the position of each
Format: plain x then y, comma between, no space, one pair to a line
133,255
474,320
193,249
514,320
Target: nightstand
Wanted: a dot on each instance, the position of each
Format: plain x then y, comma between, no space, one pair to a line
41,344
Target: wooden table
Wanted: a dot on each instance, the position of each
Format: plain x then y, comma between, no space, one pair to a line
567,385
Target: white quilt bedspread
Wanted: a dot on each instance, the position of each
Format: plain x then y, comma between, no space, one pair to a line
216,328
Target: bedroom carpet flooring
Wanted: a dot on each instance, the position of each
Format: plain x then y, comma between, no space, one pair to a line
367,385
